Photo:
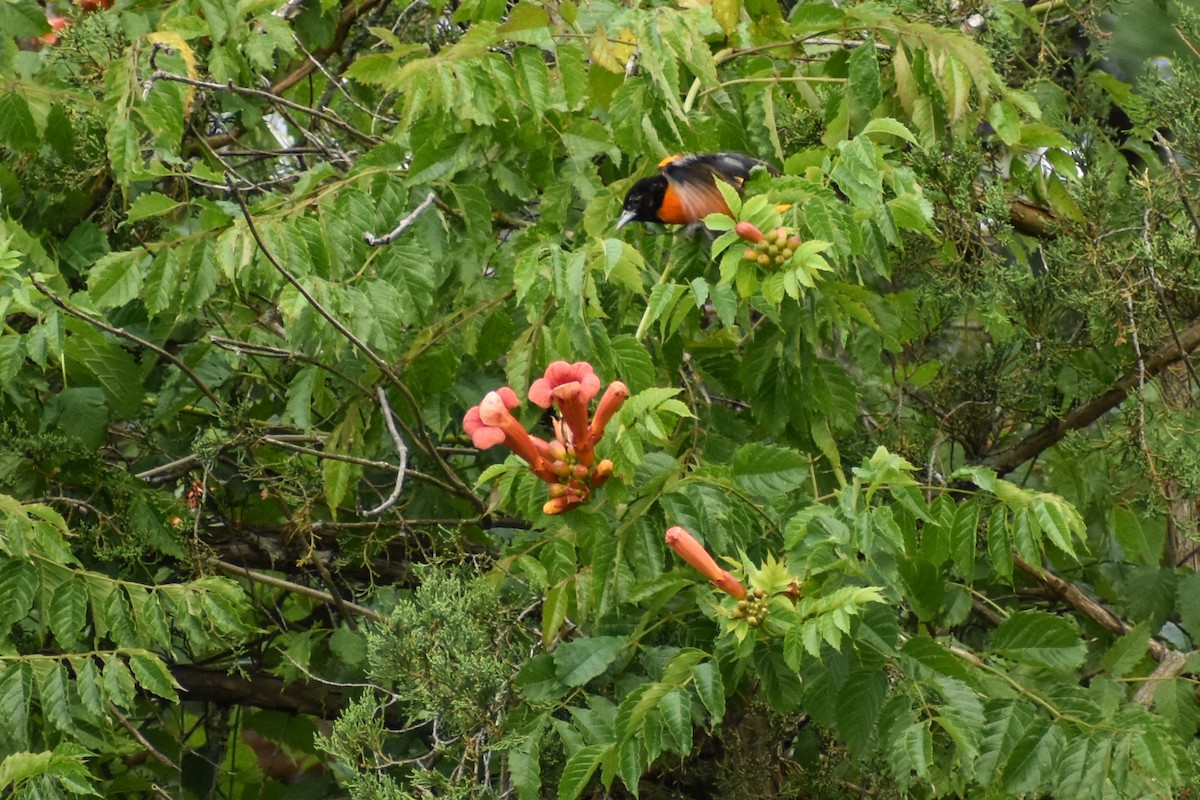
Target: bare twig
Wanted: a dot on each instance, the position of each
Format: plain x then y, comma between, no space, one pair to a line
296,588
405,224
401,453
342,607
267,351
154,752
268,95
362,462
124,334
181,464
421,436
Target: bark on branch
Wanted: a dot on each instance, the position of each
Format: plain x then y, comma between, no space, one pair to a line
1172,350
1086,605
257,690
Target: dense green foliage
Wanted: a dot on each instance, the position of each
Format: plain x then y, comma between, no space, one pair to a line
950,446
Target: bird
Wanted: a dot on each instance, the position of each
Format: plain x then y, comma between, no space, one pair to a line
685,190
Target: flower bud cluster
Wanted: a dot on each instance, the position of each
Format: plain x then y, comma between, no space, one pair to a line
568,462
753,609
771,249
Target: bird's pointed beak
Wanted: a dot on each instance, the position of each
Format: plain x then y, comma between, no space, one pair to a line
625,219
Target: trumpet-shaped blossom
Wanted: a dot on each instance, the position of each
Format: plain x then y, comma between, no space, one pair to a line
491,423
691,551
567,462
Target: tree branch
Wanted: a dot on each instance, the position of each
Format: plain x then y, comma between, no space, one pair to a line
1086,605
258,690
421,436
286,585
1167,353
124,334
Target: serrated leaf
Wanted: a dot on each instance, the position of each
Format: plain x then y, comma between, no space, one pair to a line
152,675
536,680
579,770
554,609
88,685
578,661
1127,651
18,588
676,709
115,279
963,529
780,685
1032,757
68,611
117,618
533,78
889,127
769,469
151,204
162,282
711,689
17,128
523,766
859,700
51,679
118,681
935,657
1039,638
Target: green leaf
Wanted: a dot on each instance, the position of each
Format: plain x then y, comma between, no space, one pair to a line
523,766
1127,651
863,91
1032,757
17,128
68,611
1143,542
858,703
96,359
889,127
51,679
769,469
579,770
780,685
17,768
711,689
118,681
117,618
577,662
18,587
153,676
151,204
962,538
533,78
1000,542
1058,520
1041,639
676,708
87,684
1006,722
555,608
935,657
857,173
115,279
537,682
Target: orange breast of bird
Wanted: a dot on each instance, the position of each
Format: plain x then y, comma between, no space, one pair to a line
676,209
